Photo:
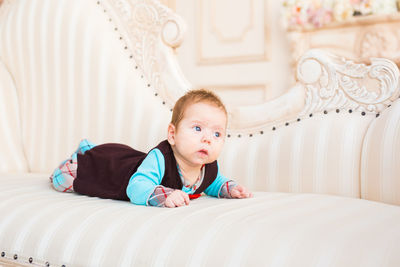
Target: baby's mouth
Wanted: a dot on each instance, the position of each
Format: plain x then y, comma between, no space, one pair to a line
203,152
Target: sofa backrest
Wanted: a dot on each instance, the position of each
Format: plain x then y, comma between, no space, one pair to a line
12,156
89,69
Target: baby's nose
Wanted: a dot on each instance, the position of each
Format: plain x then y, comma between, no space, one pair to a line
206,137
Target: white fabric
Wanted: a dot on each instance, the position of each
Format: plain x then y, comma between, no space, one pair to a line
271,229
380,176
319,154
12,156
75,80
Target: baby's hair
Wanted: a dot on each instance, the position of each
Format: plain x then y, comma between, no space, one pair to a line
193,97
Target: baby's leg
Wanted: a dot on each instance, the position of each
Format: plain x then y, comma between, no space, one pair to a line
63,176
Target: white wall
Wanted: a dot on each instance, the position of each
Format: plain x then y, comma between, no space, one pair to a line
237,47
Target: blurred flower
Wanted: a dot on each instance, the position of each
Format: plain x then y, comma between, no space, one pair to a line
317,13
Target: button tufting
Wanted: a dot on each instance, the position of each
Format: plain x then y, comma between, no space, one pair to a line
250,135
239,135
337,110
350,111
310,115
3,254
286,124
363,113
15,256
30,260
298,119
377,115
229,135
273,128
325,112
261,132
47,264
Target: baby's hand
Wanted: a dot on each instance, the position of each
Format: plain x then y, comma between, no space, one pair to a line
176,199
240,192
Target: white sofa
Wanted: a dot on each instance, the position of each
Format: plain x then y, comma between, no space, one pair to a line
323,165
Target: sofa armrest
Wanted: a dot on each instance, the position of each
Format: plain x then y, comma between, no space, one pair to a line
380,166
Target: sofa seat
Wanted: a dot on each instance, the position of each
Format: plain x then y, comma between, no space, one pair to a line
272,228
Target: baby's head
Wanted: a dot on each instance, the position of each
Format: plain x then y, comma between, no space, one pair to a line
198,125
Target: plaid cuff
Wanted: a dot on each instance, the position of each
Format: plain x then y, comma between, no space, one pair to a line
226,188
159,195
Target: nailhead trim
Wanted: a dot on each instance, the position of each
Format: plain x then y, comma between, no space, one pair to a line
363,113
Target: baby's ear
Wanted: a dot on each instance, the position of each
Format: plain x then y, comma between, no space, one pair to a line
171,134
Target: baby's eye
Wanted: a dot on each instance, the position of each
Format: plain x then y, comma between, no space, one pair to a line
197,128
217,134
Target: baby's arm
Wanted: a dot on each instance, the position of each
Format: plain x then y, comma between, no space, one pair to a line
145,187
168,197
222,187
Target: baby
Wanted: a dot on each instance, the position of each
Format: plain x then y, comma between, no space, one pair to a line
177,170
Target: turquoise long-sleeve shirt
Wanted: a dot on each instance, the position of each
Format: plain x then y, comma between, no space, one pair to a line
149,175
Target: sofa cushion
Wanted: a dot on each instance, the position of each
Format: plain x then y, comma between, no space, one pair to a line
380,176
275,229
12,158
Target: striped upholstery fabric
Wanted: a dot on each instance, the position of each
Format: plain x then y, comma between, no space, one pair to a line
75,80
12,158
271,229
319,154
380,176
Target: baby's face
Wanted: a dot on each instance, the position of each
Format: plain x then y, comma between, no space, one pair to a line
200,134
